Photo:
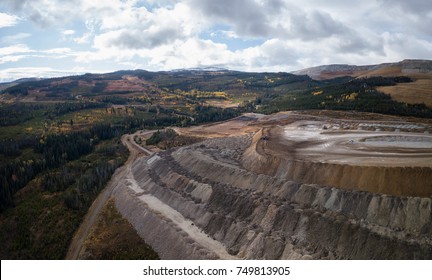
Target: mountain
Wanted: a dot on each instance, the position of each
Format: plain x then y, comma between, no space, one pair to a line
16,82
212,86
225,88
325,72
408,67
420,71
200,69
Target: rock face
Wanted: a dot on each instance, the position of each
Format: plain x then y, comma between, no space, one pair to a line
219,209
416,66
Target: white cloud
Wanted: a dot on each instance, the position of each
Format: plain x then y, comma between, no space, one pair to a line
88,35
170,33
141,29
8,20
14,49
84,39
227,33
11,58
60,51
131,65
400,46
14,39
68,32
12,74
247,18
126,16
194,52
136,39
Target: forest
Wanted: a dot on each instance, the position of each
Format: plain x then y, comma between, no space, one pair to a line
355,94
51,150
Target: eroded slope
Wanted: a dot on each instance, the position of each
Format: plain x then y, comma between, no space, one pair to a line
203,201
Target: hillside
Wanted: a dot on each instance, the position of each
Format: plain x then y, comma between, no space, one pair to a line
419,91
408,67
183,91
141,86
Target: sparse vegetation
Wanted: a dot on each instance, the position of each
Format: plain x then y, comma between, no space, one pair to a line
168,138
114,238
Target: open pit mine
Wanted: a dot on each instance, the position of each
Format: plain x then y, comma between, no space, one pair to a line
293,185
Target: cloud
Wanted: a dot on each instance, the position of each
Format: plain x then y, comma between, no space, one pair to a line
316,25
14,49
68,32
144,30
248,18
253,35
400,46
8,20
60,51
272,53
136,39
89,33
18,52
417,7
11,58
12,74
125,16
45,13
190,53
14,39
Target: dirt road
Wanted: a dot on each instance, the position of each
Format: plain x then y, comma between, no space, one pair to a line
120,174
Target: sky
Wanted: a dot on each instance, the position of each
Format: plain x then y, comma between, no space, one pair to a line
47,38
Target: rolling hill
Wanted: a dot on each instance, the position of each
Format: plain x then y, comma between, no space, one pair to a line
419,91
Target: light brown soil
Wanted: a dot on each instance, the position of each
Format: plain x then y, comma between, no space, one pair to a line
222,104
419,91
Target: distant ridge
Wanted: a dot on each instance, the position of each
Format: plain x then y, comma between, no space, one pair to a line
23,80
408,66
200,69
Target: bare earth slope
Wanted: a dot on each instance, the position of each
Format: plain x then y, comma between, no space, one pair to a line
257,194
